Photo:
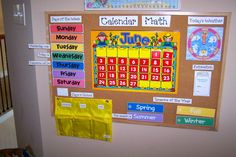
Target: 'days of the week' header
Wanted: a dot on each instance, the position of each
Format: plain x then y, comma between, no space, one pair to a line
147,21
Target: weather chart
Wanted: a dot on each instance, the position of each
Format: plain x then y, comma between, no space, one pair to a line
135,61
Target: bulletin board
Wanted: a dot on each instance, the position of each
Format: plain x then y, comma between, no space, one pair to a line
160,69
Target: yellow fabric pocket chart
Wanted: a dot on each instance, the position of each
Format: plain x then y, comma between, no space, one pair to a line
86,118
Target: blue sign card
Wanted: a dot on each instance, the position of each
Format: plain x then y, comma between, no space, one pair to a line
68,65
139,107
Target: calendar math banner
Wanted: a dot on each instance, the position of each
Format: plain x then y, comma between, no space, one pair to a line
135,60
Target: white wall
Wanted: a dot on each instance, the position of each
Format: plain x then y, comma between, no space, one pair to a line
22,77
136,140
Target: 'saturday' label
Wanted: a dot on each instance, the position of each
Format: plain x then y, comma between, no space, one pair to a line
68,83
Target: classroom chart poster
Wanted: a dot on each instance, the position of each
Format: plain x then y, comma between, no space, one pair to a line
135,61
202,83
204,43
132,4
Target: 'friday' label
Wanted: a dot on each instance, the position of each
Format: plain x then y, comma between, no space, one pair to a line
74,74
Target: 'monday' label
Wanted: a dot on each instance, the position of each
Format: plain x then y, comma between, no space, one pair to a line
195,121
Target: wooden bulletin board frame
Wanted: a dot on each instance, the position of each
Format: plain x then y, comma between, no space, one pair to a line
121,99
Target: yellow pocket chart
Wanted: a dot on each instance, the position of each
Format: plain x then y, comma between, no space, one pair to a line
86,118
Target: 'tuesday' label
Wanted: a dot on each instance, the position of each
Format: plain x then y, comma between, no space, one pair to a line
195,111
195,121
139,107
67,47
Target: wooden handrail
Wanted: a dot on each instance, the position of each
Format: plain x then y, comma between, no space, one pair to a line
5,92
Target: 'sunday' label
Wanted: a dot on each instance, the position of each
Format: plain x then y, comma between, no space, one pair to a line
68,65
66,28
78,38
145,117
74,56
195,111
65,19
118,20
68,83
195,121
74,74
67,47
139,107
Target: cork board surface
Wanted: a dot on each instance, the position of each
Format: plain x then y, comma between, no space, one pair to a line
173,105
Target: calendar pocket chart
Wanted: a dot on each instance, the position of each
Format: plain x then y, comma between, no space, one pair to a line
135,61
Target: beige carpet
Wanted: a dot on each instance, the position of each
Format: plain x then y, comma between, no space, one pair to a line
7,132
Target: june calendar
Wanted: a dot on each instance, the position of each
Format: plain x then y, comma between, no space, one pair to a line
138,61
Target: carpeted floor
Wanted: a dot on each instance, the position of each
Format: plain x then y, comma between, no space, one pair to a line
7,131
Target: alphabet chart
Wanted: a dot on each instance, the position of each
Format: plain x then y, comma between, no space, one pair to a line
135,61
